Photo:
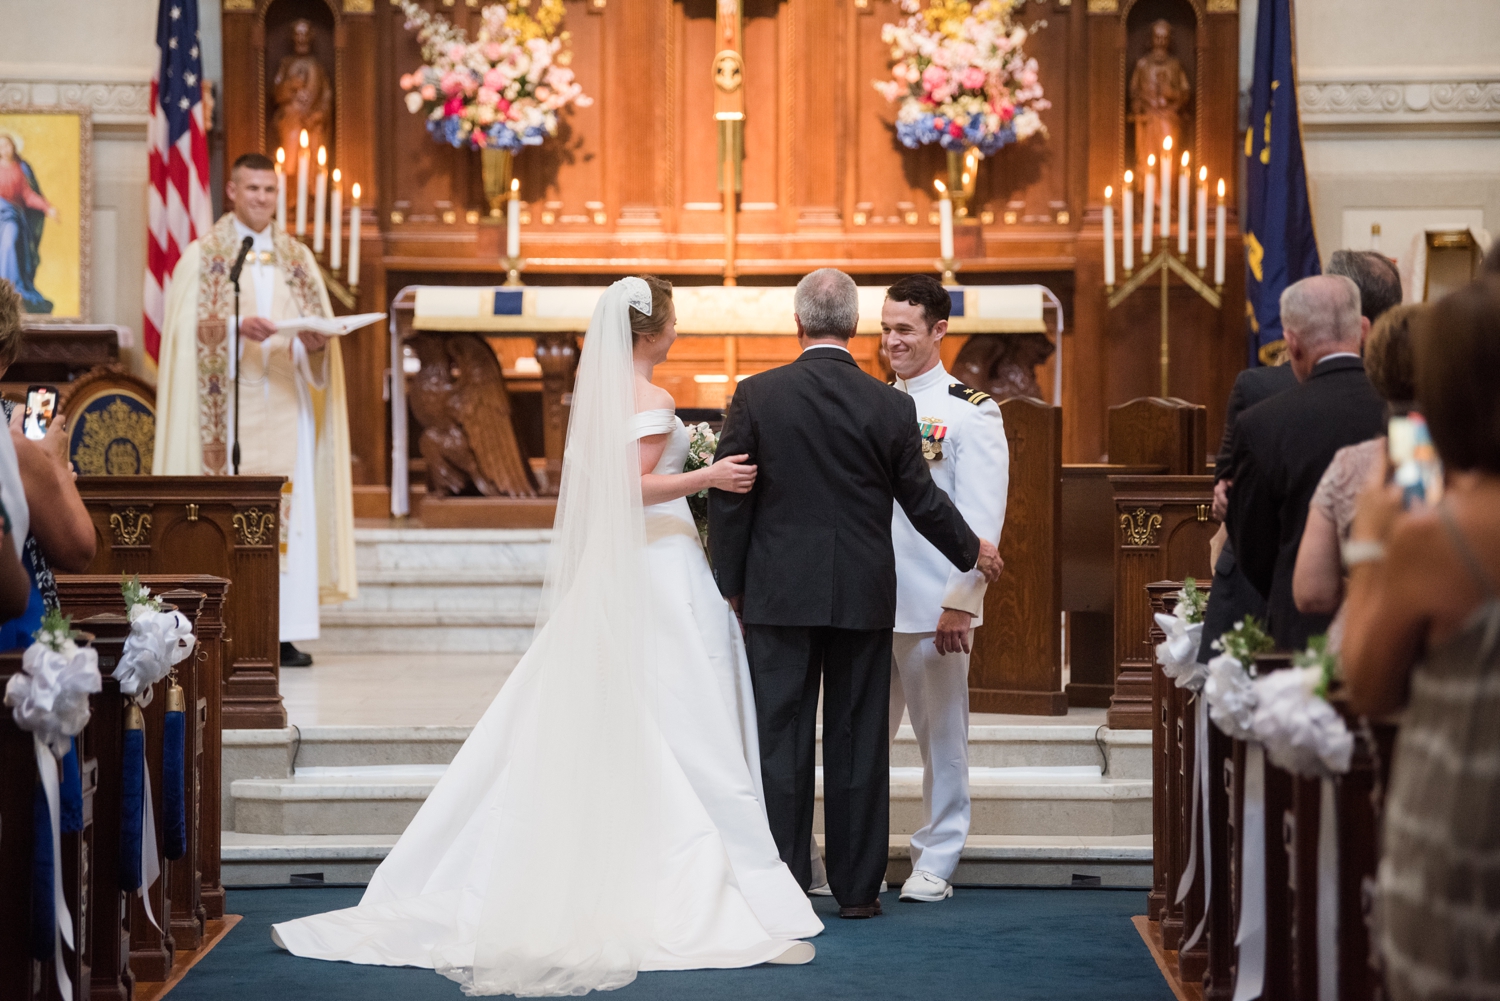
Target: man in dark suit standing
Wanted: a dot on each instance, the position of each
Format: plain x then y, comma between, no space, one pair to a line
806,559
1282,445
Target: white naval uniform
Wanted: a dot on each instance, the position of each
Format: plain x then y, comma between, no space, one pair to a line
299,574
970,461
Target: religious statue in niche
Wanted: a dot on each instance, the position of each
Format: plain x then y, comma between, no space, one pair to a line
302,95
1159,91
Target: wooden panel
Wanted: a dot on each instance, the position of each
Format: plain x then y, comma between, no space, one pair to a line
1017,661
1159,432
223,526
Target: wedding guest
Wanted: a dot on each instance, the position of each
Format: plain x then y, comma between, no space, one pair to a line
58,531
1377,277
1282,445
1423,629
1318,580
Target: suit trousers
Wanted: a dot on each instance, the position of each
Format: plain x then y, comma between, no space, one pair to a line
854,666
934,689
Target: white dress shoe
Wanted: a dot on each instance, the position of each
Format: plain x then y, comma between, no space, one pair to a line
796,954
925,887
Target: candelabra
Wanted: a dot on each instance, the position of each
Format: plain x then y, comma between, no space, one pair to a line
1165,263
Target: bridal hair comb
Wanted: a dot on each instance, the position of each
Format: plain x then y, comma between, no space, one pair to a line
637,294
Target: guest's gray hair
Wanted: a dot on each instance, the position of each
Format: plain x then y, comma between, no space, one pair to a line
1323,309
827,303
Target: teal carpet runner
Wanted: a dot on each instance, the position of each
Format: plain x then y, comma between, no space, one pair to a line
982,945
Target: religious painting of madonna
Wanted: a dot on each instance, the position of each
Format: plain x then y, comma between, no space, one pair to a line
45,156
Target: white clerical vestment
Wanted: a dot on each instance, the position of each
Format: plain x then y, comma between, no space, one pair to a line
293,414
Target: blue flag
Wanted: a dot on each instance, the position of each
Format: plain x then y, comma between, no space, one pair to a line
1280,247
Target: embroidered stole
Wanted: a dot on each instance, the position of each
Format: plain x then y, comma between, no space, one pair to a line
215,307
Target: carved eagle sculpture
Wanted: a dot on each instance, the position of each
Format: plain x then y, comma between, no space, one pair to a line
458,397
1003,365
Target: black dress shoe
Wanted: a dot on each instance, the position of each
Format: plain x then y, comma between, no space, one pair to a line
868,911
292,657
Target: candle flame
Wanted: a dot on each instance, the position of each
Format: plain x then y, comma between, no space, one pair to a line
280,156
942,188
303,139
337,176
966,179
1185,157
322,156
515,184
1109,193
1129,178
355,191
1202,175
1166,144
1151,160
1221,187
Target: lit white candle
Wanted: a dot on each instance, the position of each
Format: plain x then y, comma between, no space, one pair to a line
354,238
945,221
1166,191
1128,203
281,187
1109,236
1202,218
336,219
513,220
1219,237
302,170
1182,206
1150,207
320,200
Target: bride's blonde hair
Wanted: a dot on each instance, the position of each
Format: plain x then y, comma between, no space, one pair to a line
661,308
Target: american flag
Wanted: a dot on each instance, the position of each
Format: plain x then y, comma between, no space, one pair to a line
179,207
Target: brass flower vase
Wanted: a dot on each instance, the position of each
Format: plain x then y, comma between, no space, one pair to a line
963,174
497,166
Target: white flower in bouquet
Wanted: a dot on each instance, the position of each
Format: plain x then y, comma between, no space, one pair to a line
1300,730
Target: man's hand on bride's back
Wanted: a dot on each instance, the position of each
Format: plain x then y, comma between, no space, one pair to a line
732,473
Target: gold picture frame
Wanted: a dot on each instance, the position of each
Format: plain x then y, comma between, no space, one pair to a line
47,192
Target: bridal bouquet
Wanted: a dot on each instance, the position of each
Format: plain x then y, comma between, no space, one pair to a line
501,90
961,76
702,444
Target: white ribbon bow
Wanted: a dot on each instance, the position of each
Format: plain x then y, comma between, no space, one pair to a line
1231,698
157,642
1178,653
1300,730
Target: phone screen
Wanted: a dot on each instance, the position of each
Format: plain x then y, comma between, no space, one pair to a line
41,405
1415,467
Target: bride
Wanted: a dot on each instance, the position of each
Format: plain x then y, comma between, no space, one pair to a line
605,816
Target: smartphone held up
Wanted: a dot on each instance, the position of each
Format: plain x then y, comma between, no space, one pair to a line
41,407
1415,466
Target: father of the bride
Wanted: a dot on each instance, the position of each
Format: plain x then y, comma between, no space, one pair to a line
806,558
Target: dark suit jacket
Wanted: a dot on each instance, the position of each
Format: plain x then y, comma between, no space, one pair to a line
1250,387
810,545
1281,448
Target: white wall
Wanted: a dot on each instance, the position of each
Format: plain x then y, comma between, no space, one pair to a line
1400,107
99,53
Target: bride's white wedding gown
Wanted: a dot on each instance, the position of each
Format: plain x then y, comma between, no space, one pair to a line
661,859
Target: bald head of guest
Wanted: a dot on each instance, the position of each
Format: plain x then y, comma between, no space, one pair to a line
252,190
1375,275
1320,317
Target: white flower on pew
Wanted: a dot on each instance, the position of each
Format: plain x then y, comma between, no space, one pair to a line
49,697
158,641
1229,688
1178,653
1300,730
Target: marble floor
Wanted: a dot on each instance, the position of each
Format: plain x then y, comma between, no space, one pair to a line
455,690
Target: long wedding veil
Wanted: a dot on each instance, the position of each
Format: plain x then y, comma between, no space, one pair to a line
570,905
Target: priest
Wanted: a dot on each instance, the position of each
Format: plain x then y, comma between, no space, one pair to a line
293,419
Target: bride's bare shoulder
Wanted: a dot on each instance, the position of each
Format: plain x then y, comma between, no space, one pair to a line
649,396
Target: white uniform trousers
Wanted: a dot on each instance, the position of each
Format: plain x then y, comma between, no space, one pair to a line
934,689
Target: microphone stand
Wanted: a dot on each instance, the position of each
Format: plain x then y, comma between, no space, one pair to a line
234,358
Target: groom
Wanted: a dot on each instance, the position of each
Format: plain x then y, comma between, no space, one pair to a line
806,560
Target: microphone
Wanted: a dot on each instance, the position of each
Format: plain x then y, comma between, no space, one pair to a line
239,262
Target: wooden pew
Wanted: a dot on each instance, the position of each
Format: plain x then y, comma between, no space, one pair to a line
1016,665
108,911
225,526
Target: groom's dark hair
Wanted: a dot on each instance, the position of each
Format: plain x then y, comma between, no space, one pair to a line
925,291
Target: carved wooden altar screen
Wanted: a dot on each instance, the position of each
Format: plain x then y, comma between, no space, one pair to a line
630,184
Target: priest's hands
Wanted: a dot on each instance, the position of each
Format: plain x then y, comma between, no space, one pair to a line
256,328
955,633
990,564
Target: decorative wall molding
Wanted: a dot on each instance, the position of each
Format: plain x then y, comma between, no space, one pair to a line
112,102
1397,104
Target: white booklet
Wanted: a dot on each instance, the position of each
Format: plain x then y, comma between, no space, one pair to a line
330,326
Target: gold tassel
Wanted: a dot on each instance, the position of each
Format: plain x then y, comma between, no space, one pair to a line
176,700
133,718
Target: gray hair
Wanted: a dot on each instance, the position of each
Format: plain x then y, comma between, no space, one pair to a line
827,303
1323,309
1376,276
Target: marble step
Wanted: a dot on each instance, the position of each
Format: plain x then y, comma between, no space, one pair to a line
1116,860
1059,800
1127,753
356,630
453,550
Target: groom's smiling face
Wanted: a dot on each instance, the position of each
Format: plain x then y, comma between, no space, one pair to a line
910,342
